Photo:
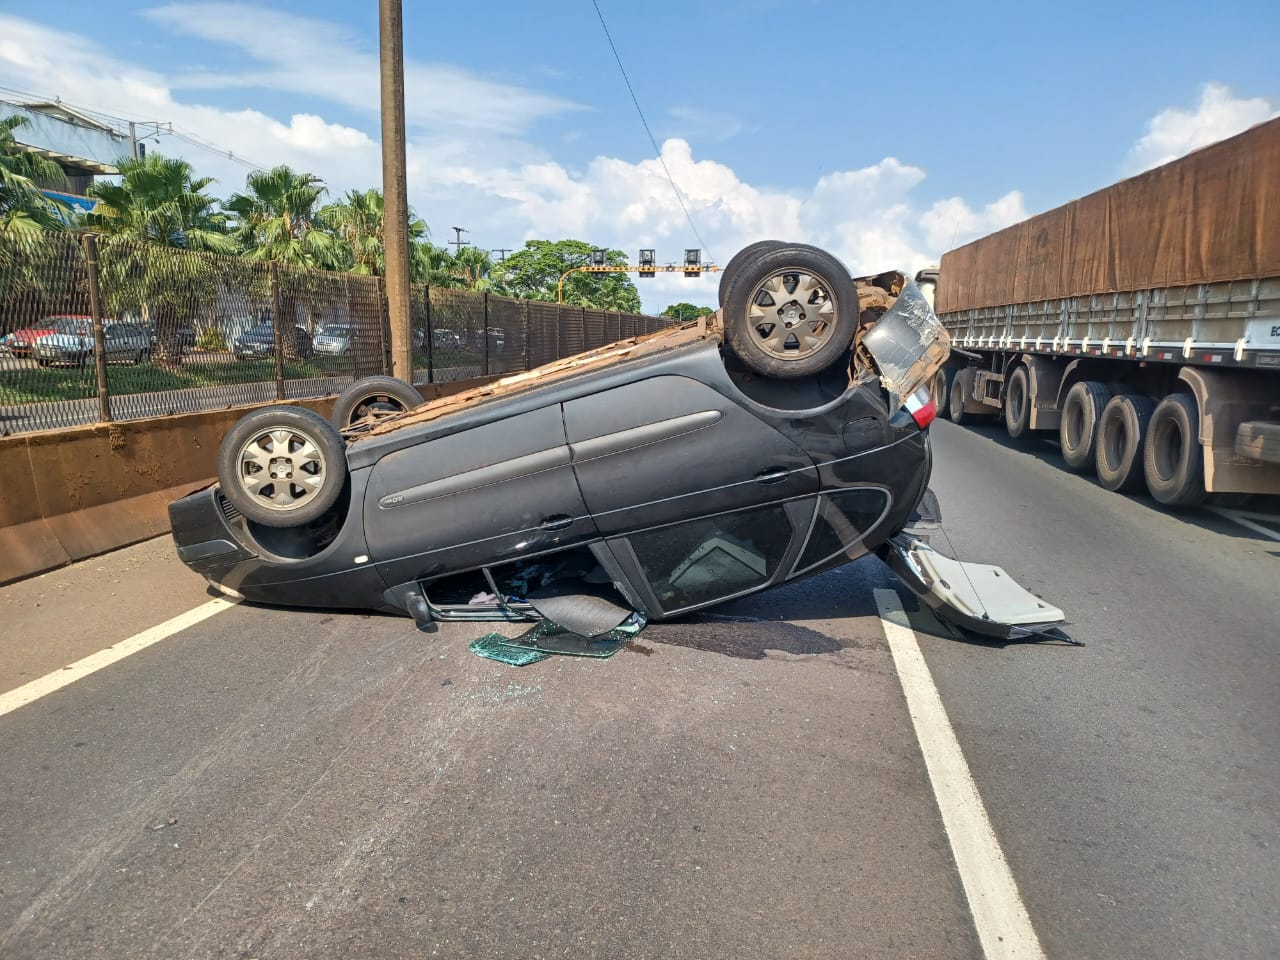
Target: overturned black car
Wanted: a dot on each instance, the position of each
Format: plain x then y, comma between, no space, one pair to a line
783,436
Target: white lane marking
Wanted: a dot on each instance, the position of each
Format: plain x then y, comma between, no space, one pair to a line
30,692
1003,926
1237,516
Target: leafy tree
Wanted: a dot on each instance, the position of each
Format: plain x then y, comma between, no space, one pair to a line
534,273
686,311
159,203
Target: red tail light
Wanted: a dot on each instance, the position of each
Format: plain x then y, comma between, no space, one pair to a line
921,407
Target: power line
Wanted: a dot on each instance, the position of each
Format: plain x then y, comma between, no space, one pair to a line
670,179
110,120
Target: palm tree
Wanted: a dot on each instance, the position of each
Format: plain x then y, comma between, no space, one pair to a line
160,203
278,219
23,208
25,216
357,221
474,269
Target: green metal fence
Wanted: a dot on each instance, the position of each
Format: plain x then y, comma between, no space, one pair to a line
104,328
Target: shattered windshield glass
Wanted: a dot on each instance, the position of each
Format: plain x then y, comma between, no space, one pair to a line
907,344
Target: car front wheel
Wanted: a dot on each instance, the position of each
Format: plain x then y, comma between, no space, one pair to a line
282,466
373,399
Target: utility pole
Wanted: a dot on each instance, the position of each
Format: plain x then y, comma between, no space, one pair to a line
395,216
459,243
503,251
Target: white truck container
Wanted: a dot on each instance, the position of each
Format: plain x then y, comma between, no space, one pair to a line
1141,323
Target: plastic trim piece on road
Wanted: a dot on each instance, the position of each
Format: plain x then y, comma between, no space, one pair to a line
1001,919
51,682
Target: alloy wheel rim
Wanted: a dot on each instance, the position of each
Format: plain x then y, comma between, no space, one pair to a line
791,315
281,469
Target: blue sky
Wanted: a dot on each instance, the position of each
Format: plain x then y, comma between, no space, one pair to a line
885,137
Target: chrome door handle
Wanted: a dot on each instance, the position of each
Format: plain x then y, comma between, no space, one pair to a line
772,475
557,521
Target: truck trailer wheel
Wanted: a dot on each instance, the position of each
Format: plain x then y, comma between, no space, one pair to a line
1017,403
1173,461
1122,436
1078,432
791,311
955,397
941,390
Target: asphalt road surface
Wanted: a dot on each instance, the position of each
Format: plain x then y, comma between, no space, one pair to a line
273,783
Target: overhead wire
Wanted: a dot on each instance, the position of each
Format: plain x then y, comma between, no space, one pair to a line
658,152
165,128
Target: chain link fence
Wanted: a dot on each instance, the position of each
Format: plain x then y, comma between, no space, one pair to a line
95,329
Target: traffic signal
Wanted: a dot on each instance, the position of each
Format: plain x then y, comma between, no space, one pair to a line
693,263
599,258
647,259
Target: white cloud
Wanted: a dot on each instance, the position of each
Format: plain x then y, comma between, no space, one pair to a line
1174,132
950,223
472,160
319,58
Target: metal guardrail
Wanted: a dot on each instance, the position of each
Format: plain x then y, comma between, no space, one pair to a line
95,329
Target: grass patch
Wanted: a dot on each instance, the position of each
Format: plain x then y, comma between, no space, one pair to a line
46,384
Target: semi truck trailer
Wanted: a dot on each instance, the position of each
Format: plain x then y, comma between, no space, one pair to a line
1140,324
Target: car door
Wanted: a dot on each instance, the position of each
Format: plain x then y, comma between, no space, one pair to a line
699,498
670,448
493,492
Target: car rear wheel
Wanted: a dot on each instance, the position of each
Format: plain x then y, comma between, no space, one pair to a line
282,466
1172,458
375,397
1122,435
790,312
1078,430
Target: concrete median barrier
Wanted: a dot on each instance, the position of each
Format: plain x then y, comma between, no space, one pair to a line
70,494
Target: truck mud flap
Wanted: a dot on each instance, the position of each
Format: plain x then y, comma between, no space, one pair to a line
976,597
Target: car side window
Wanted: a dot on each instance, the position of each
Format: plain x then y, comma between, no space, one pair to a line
714,557
844,518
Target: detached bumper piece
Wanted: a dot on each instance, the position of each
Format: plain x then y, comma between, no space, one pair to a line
976,597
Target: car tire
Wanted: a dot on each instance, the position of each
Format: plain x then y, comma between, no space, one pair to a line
302,445
379,395
1017,403
1078,429
1173,461
736,262
1122,437
763,339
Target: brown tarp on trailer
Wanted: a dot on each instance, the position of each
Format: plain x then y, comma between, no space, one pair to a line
1211,215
